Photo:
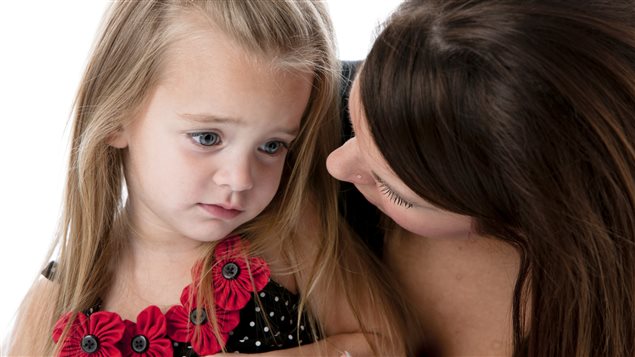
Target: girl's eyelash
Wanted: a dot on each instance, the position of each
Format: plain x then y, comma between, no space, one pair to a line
283,145
216,139
394,197
196,136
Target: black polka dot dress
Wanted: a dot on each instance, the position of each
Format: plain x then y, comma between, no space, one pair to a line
272,325
269,321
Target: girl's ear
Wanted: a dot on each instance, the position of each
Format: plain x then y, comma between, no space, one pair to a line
118,139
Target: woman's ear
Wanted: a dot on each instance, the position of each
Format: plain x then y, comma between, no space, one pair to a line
118,139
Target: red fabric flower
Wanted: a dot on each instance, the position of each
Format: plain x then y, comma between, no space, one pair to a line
95,336
232,283
146,337
182,321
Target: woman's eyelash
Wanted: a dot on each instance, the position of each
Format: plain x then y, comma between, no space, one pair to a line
394,197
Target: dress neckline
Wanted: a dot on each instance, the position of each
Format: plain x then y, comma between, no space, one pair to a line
235,277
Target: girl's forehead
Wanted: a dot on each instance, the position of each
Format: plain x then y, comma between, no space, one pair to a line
212,48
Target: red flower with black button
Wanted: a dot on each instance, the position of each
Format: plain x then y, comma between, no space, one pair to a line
146,337
96,335
184,320
230,277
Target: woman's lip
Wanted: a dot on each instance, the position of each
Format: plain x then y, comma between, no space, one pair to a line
219,211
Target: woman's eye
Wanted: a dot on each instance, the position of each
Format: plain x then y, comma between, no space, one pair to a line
394,197
272,147
206,138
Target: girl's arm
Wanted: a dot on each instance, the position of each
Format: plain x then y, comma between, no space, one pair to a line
31,335
329,303
342,345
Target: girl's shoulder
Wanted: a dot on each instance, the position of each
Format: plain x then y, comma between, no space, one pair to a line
33,312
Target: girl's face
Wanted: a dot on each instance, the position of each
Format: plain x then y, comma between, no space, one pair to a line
207,152
360,162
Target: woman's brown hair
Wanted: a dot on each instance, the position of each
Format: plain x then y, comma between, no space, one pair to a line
521,115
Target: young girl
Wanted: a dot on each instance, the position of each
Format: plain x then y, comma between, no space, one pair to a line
198,215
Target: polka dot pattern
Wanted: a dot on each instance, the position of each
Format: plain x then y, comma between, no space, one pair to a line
270,326
263,328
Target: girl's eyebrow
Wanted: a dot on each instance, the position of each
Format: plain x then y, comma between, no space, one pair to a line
214,119
210,118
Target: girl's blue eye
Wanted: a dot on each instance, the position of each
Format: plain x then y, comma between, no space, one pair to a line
206,138
272,147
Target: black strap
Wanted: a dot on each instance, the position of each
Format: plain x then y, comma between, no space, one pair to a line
50,270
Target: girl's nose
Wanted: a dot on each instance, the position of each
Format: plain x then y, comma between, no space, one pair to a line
346,164
235,174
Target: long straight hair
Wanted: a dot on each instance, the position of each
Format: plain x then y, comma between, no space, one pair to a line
520,114
126,64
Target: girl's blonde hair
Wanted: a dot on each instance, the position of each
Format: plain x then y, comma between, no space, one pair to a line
125,67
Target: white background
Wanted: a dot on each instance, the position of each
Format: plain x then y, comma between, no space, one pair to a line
44,46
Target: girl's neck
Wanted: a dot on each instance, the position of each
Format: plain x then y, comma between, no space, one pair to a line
152,270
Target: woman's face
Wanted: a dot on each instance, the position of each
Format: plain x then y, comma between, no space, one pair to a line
360,162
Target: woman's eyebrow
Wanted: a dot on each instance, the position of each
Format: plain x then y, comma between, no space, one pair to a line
350,120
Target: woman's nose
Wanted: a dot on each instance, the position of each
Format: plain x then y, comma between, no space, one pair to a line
346,164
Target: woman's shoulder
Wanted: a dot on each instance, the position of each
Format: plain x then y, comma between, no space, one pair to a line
460,289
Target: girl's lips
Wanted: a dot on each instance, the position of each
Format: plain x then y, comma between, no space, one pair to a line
220,212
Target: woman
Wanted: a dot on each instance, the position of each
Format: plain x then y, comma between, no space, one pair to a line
500,135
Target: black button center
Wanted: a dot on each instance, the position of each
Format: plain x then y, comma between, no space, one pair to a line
90,344
139,344
230,271
198,316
